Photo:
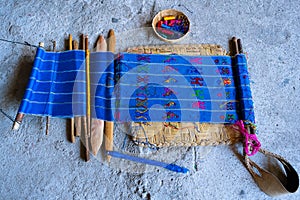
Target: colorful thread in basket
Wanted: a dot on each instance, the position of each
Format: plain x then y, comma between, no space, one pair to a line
172,27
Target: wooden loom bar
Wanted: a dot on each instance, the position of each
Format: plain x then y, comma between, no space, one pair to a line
237,45
18,120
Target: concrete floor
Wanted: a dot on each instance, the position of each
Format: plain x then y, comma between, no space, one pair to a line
35,166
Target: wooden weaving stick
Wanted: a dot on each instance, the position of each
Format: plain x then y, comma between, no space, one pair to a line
109,126
97,125
72,124
77,120
87,124
48,118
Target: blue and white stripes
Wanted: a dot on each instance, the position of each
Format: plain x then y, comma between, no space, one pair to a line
50,91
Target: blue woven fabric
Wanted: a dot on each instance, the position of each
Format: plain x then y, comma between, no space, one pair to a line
50,88
175,88
138,87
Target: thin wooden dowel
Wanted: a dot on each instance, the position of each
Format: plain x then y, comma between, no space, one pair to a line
88,87
87,124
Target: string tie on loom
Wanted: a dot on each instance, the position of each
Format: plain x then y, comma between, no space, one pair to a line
250,139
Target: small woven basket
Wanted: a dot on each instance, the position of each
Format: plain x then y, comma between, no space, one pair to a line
159,16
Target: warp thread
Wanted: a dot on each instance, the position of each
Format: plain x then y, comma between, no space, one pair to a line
6,115
15,42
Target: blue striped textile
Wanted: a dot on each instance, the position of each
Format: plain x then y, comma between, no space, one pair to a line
174,88
50,88
140,87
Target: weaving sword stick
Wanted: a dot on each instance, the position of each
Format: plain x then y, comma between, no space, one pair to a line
72,125
77,120
109,126
97,125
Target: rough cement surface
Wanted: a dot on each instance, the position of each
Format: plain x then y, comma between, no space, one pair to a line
35,166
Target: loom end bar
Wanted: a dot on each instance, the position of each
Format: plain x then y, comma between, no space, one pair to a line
20,116
16,126
41,44
18,121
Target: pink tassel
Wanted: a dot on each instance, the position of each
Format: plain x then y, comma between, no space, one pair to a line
250,139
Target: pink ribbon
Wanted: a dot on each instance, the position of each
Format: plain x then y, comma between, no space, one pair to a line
250,139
